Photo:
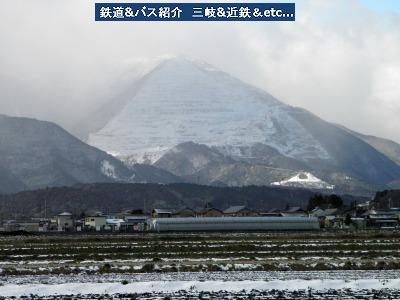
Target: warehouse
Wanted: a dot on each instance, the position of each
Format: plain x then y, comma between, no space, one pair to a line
234,224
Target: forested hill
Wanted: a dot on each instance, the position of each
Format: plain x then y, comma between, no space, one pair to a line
114,197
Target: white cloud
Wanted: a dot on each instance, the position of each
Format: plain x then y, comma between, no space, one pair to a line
346,71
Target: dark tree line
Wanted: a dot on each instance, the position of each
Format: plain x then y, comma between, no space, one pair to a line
324,201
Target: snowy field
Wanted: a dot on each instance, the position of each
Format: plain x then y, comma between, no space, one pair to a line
202,266
215,284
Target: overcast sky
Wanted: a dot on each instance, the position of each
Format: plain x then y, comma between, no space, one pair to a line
339,59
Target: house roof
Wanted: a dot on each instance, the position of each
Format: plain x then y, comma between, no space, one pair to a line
295,214
317,211
96,216
162,211
294,209
178,211
234,209
135,218
207,209
326,212
382,216
65,214
115,221
373,212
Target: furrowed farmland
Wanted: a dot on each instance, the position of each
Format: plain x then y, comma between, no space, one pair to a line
99,254
126,260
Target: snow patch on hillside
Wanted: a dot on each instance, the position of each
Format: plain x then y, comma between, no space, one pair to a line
108,169
147,156
305,179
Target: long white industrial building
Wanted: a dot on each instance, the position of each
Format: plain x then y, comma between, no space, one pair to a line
233,224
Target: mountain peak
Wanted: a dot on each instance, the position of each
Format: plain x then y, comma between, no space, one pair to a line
181,61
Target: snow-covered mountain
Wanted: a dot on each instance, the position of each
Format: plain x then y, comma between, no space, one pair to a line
305,180
181,100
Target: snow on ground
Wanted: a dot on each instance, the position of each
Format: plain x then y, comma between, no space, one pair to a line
201,282
207,286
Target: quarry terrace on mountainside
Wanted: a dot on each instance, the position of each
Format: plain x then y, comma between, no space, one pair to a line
244,135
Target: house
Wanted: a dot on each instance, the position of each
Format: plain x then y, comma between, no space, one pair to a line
239,211
134,223
365,205
316,211
320,213
210,212
295,211
382,218
79,225
161,213
65,222
273,212
327,217
184,213
114,224
96,222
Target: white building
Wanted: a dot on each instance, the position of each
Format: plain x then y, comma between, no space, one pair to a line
65,222
97,222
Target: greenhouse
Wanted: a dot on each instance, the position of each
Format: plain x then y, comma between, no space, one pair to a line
233,224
